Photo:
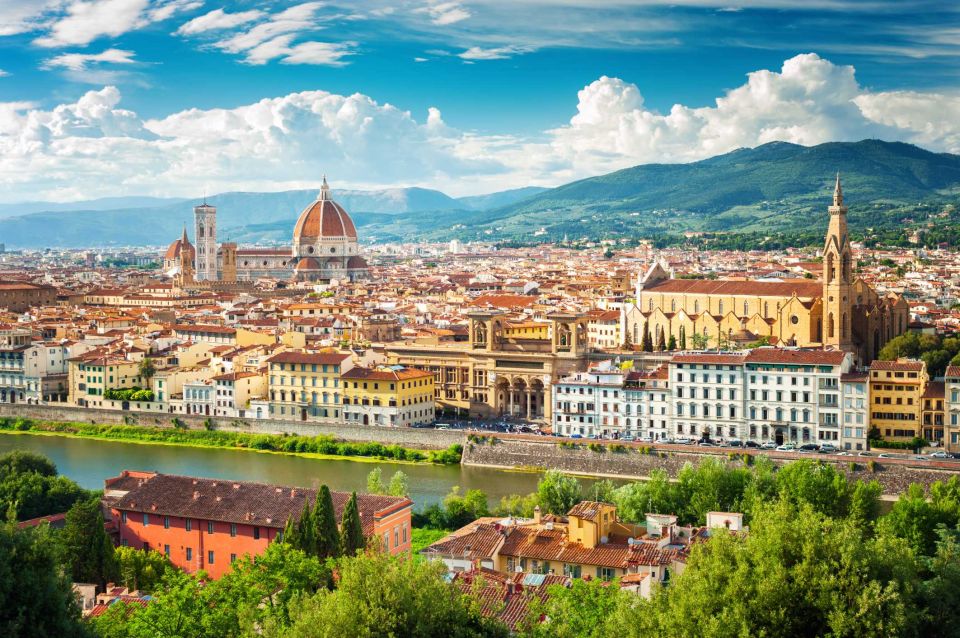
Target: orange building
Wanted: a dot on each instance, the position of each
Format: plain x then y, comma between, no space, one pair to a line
201,523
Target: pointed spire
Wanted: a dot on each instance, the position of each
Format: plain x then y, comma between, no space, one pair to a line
183,238
324,189
838,192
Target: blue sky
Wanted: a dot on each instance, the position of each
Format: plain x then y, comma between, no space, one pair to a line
112,97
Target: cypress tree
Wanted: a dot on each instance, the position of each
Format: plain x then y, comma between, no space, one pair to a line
87,548
647,345
325,525
672,343
305,536
661,344
291,533
351,530
683,337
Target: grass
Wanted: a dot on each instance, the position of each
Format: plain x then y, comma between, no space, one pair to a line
322,445
422,537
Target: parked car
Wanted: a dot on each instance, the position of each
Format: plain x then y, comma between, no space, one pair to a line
886,456
828,448
576,436
940,454
683,441
667,441
807,447
864,453
787,447
768,445
627,437
752,444
707,443
735,443
844,453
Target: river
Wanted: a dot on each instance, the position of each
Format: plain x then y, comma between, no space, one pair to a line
90,461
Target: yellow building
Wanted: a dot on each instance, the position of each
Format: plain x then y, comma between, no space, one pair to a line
90,376
392,396
841,311
933,414
896,398
306,385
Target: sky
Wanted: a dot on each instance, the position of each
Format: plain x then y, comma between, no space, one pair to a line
102,98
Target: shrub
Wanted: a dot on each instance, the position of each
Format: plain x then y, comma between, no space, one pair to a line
852,466
619,448
596,447
872,466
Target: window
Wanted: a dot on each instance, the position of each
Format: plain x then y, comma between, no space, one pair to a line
188,524
256,533
606,573
396,537
166,522
209,527
189,553
210,557
166,551
233,529
123,517
233,558
146,520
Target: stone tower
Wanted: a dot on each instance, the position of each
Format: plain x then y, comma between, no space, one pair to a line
837,277
228,262
184,276
205,237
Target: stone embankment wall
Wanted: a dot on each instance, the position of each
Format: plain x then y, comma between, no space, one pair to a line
632,462
421,439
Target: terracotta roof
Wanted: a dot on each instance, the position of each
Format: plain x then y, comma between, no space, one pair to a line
403,374
790,356
953,371
323,219
897,366
241,501
323,358
934,390
553,545
722,358
205,329
800,287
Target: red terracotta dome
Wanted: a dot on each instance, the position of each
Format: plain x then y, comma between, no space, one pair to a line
356,262
323,219
173,252
307,263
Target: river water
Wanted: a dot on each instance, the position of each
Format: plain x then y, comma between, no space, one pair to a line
90,461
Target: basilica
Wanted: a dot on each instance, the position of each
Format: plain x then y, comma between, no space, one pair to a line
840,311
324,248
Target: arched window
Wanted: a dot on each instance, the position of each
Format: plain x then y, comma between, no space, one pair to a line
696,306
673,305
844,329
766,309
720,307
830,326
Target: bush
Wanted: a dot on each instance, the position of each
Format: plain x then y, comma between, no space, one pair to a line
619,448
596,447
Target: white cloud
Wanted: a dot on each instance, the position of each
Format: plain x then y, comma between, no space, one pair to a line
217,20
495,53
4,73
86,20
327,53
443,13
80,61
94,147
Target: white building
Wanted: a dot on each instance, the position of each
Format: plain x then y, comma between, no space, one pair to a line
708,394
855,396
590,403
648,405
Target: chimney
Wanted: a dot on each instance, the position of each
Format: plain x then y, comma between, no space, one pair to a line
536,515
196,495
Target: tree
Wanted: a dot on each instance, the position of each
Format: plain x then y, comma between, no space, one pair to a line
325,525
582,610
29,484
683,337
672,343
399,485
699,341
375,482
88,551
140,569
382,595
36,598
23,462
460,510
661,345
516,505
351,530
647,344
146,369
558,492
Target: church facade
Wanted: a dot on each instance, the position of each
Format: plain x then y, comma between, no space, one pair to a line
324,247
840,311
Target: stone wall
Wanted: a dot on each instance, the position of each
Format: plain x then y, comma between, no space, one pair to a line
512,452
421,439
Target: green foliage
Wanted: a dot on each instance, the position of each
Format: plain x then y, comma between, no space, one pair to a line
135,393
917,519
87,550
558,492
935,350
516,505
351,529
179,434
424,537
380,595
579,611
915,443
456,510
140,569
146,368
375,482
399,484
35,594
325,525
29,485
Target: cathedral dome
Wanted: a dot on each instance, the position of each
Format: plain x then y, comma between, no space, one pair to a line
356,262
323,219
307,263
173,252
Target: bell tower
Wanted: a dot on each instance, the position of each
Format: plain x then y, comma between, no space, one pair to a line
205,236
837,276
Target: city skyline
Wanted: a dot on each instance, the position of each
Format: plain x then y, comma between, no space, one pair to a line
128,97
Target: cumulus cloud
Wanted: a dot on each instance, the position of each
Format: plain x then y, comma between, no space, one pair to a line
217,20
94,147
80,61
86,20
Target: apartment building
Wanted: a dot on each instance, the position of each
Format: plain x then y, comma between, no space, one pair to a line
708,394
647,405
391,396
306,385
90,375
590,403
896,398
201,523
855,395
951,420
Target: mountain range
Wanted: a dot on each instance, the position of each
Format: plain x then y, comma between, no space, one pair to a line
776,187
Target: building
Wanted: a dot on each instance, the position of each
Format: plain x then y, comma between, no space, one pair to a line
708,394
590,541
493,374
306,385
206,524
855,392
951,433
14,345
590,403
841,311
235,390
390,396
896,393
91,375
648,404
20,296
933,412
324,248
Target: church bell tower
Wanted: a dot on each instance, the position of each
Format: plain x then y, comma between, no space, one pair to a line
837,277
205,236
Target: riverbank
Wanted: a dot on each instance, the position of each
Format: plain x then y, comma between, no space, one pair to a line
320,446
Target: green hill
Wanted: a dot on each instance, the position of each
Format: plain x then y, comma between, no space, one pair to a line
772,188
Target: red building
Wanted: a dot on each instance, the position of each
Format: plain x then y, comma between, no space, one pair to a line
201,523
